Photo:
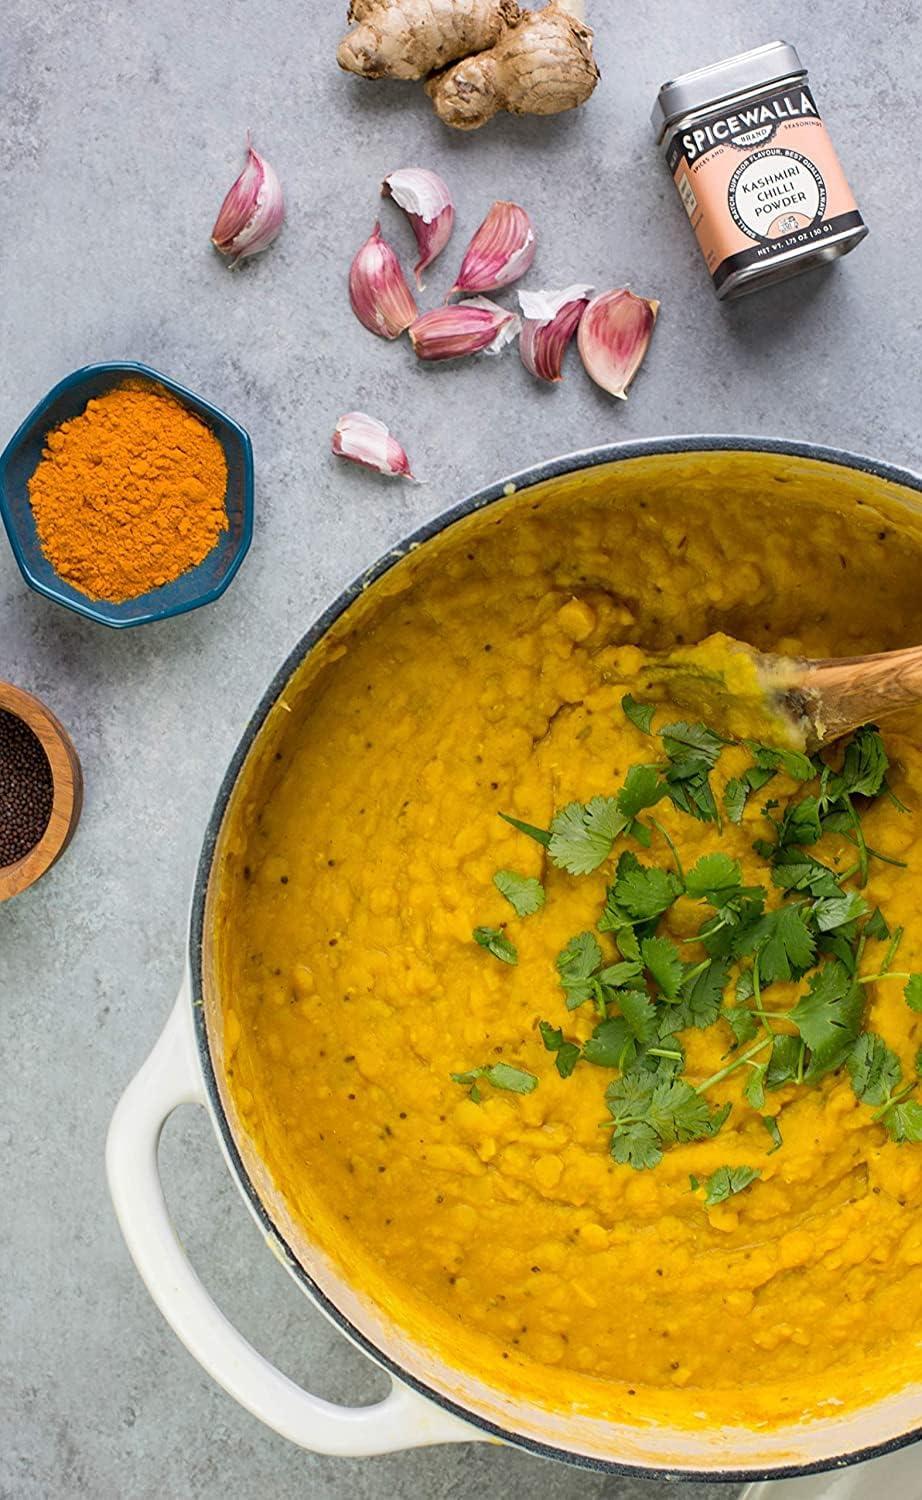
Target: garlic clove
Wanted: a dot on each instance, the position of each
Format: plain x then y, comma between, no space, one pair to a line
380,297
614,336
252,212
472,327
549,321
500,252
366,441
427,203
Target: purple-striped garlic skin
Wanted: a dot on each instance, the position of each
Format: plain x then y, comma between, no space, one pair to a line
366,441
378,291
427,203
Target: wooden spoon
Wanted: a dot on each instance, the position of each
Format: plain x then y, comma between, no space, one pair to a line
784,700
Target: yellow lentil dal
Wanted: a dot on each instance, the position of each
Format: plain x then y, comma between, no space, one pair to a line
362,854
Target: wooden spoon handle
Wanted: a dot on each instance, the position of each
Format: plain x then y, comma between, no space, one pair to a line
847,691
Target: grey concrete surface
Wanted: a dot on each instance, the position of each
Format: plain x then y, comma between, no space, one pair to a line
122,126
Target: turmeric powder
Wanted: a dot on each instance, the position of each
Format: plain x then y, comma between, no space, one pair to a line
130,494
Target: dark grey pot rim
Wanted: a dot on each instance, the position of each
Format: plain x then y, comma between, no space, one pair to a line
525,479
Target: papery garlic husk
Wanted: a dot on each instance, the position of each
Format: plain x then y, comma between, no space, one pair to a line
500,252
614,336
549,321
472,327
366,441
378,290
253,211
427,203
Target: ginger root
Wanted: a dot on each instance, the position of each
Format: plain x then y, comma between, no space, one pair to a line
483,55
541,65
411,38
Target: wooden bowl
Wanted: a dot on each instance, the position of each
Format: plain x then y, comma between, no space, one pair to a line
67,791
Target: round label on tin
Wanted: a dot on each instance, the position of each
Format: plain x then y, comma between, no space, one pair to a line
776,193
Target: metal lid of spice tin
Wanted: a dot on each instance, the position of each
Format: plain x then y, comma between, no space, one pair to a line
735,75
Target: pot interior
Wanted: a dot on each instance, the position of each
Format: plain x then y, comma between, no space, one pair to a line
786,551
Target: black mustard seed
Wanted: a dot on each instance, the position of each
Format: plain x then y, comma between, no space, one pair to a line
25,788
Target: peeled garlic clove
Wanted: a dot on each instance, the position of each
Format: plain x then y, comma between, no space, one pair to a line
252,213
500,252
426,201
614,336
366,441
472,327
549,321
378,291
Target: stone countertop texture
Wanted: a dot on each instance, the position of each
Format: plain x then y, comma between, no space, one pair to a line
122,126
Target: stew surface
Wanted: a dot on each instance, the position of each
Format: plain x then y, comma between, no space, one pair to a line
488,679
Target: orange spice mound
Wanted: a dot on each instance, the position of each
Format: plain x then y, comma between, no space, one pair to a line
130,494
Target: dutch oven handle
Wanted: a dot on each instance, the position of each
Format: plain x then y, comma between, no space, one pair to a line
170,1077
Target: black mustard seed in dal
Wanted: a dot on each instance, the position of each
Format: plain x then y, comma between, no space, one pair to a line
25,788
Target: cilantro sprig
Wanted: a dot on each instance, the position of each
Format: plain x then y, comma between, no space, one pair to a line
806,926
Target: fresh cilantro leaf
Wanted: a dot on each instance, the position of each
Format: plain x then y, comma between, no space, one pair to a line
736,795
784,1062
840,945
792,762
661,959
829,1018
628,972
636,1145
918,1063
567,1058
701,999
876,927
727,1181
680,737
754,1087
742,1023
783,942
523,892
689,787
611,1045
643,787
801,824
567,1054
502,1076
640,714
551,1036
630,1095
913,992
795,870
745,986
774,1130
875,1070
497,943
715,878
582,834
639,1012
540,835
864,767
904,1121
644,892
627,940
739,789
833,912
678,1112
723,933
649,1113
576,965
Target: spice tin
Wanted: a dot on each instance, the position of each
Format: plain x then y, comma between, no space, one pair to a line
755,169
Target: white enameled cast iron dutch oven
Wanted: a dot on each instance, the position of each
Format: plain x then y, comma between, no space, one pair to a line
429,1402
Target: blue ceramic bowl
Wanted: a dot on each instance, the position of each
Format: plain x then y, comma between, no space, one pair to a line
200,585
